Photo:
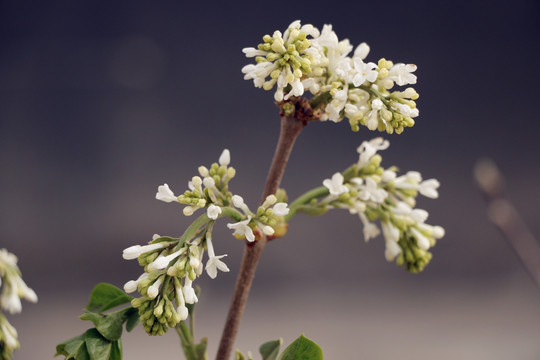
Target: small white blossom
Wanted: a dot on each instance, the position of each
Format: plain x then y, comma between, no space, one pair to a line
421,240
162,262
203,171
132,285
225,158
214,263
369,148
371,191
10,301
390,232
370,229
402,74
361,51
280,209
153,290
241,229
269,201
267,230
213,211
392,250
335,185
364,72
165,194
9,334
133,252
189,292
428,188
284,59
238,202
182,310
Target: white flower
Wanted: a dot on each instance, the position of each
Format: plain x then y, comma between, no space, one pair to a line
132,285
405,109
267,230
436,231
238,202
214,264
285,59
9,334
203,171
421,240
361,51
390,232
334,108
335,50
189,292
372,121
10,300
280,209
24,291
7,258
269,201
225,158
189,210
213,211
241,229
371,191
165,194
364,72
401,74
370,229
135,251
419,215
182,310
392,250
335,185
162,262
428,188
153,290
369,148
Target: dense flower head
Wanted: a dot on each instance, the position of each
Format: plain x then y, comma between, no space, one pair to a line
171,265
283,60
342,85
12,290
378,194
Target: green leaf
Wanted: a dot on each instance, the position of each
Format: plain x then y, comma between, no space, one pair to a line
164,238
90,346
270,349
98,347
110,325
116,350
200,349
302,349
132,321
74,348
106,296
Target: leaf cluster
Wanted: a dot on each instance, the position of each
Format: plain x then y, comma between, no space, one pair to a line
300,349
103,342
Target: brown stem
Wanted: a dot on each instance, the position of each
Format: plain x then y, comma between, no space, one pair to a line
290,129
506,218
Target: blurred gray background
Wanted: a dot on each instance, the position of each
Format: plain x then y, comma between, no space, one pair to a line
101,102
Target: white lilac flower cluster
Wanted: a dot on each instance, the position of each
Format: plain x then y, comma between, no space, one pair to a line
342,85
375,193
172,264
13,289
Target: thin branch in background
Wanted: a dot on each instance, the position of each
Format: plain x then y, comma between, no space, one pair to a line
506,218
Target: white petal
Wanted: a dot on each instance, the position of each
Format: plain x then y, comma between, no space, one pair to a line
225,158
